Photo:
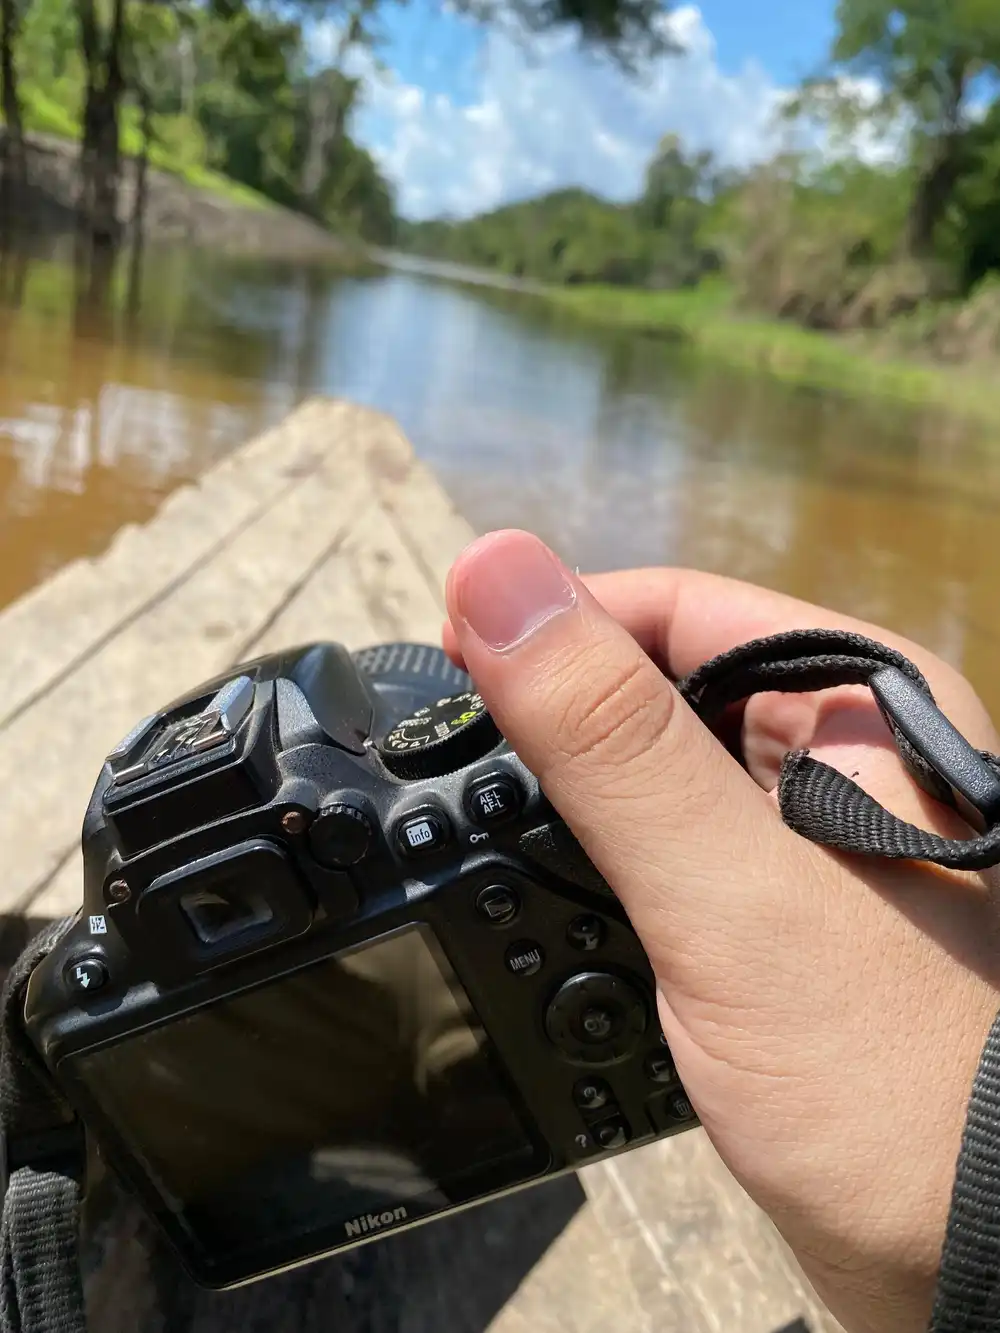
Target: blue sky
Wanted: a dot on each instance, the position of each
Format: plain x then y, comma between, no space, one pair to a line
463,119
789,37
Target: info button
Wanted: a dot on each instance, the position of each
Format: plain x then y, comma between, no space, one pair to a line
422,833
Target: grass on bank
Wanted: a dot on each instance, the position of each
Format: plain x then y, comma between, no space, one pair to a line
43,115
706,317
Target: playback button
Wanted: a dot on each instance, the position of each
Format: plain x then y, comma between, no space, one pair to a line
498,905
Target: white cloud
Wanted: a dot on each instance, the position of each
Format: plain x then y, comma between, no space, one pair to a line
853,118
553,115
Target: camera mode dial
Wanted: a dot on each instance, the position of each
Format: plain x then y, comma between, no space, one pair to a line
441,738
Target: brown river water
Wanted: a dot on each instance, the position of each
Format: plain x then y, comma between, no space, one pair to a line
618,450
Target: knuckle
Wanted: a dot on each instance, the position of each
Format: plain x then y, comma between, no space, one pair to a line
611,713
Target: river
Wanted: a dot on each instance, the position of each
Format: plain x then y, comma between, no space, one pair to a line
618,450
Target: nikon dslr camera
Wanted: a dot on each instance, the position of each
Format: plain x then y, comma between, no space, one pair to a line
340,967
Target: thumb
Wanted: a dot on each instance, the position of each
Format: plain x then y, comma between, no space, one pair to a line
695,850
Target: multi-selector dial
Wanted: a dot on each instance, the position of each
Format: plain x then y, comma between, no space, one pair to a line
441,738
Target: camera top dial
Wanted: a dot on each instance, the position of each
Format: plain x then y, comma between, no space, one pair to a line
438,739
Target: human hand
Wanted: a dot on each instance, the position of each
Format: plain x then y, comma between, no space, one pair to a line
826,1012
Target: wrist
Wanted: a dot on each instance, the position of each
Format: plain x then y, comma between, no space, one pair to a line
878,1253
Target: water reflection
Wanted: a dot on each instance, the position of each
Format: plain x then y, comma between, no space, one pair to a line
105,408
617,450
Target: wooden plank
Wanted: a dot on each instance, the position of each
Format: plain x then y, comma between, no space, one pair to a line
209,619
428,523
55,626
697,1243
62,892
366,592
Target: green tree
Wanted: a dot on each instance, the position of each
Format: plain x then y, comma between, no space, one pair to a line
48,49
673,207
14,159
820,243
330,94
355,197
972,229
246,102
926,56
671,178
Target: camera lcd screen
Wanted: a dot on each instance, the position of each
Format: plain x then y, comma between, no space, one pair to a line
358,1091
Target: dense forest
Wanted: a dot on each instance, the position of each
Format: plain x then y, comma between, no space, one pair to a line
819,237
210,92
228,94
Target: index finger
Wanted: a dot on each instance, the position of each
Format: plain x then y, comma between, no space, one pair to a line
683,617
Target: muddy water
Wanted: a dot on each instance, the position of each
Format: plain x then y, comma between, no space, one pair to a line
618,450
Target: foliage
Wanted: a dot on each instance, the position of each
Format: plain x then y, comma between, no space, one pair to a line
229,94
571,236
866,245
823,246
927,57
568,236
630,31
923,53
705,317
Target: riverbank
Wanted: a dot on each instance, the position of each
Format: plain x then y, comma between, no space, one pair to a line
207,211
860,364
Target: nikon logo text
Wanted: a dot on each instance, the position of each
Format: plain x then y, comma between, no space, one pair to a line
361,1226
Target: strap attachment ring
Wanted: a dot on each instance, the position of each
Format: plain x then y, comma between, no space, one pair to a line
915,719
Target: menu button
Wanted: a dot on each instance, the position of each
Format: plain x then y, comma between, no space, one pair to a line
524,959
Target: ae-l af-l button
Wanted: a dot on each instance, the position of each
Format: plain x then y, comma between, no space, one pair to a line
493,801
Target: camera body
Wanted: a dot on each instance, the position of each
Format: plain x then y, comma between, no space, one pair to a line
340,967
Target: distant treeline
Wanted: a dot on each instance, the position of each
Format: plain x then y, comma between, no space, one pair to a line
664,239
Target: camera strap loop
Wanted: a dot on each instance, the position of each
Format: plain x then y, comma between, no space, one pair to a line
823,804
41,1287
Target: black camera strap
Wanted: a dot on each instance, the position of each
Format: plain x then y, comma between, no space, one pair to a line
41,1287
821,803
